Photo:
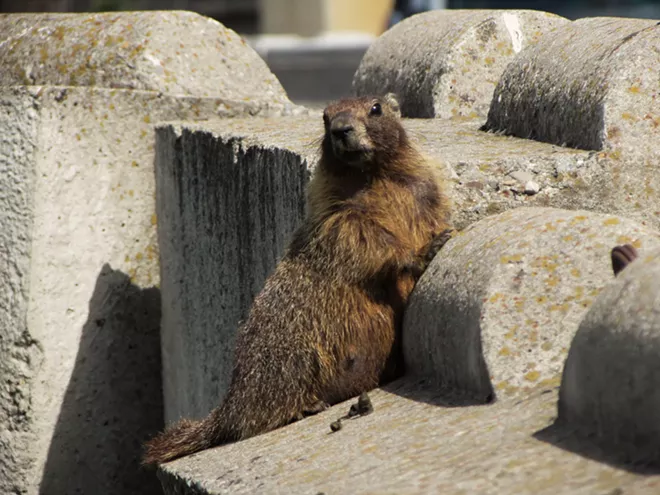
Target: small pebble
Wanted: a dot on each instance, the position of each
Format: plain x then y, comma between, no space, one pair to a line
336,426
532,187
522,176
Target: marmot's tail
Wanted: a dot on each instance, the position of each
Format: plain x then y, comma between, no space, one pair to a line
183,438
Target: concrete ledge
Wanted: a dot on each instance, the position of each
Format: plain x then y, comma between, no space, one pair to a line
170,51
413,442
610,382
496,310
486,173
446,63
590,84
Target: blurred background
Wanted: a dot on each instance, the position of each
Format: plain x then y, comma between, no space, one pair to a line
315,46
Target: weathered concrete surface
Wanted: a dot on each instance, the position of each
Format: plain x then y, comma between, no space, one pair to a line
170,51
498,307
486,173
446,63
590,84
413,442
226,210
20,354
79,346
79,342
81,308
610,383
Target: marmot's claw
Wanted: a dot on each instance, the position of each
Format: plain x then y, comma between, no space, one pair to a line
622,256
437,243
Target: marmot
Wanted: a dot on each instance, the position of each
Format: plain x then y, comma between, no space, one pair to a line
326,326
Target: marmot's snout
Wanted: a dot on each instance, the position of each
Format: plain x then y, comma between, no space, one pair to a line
350,141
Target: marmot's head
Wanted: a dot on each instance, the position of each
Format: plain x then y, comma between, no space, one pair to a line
362,132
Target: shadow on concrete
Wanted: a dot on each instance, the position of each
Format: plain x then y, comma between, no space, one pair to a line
113,402
421,390
629,458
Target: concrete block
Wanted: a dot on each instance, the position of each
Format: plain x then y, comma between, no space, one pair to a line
590,84
80,310
169,51
486,174
609,388
80,314
446,63
236,189
498,307
413,442
266,162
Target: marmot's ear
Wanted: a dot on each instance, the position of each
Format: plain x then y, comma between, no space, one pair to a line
393,103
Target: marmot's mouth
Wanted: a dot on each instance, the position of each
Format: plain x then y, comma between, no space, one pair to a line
355,156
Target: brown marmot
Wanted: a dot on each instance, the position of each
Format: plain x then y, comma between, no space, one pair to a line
326,325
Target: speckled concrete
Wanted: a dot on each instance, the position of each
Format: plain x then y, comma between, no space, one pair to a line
590,84
169,51
446,63
413,442
80,306
610,382
497,309
78,203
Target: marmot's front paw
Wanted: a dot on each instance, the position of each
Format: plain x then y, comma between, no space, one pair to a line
438,241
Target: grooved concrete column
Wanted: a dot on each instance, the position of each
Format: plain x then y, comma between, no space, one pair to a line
498,307
591,84
226,209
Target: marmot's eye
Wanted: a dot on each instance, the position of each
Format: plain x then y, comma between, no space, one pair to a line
376,109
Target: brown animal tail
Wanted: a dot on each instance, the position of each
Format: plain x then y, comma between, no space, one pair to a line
183,438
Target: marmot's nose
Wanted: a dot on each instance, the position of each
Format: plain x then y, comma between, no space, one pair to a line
341,130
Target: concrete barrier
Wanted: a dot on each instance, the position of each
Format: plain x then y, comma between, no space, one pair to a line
590,84
497,309
446,63
80,309
172,52
609,389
